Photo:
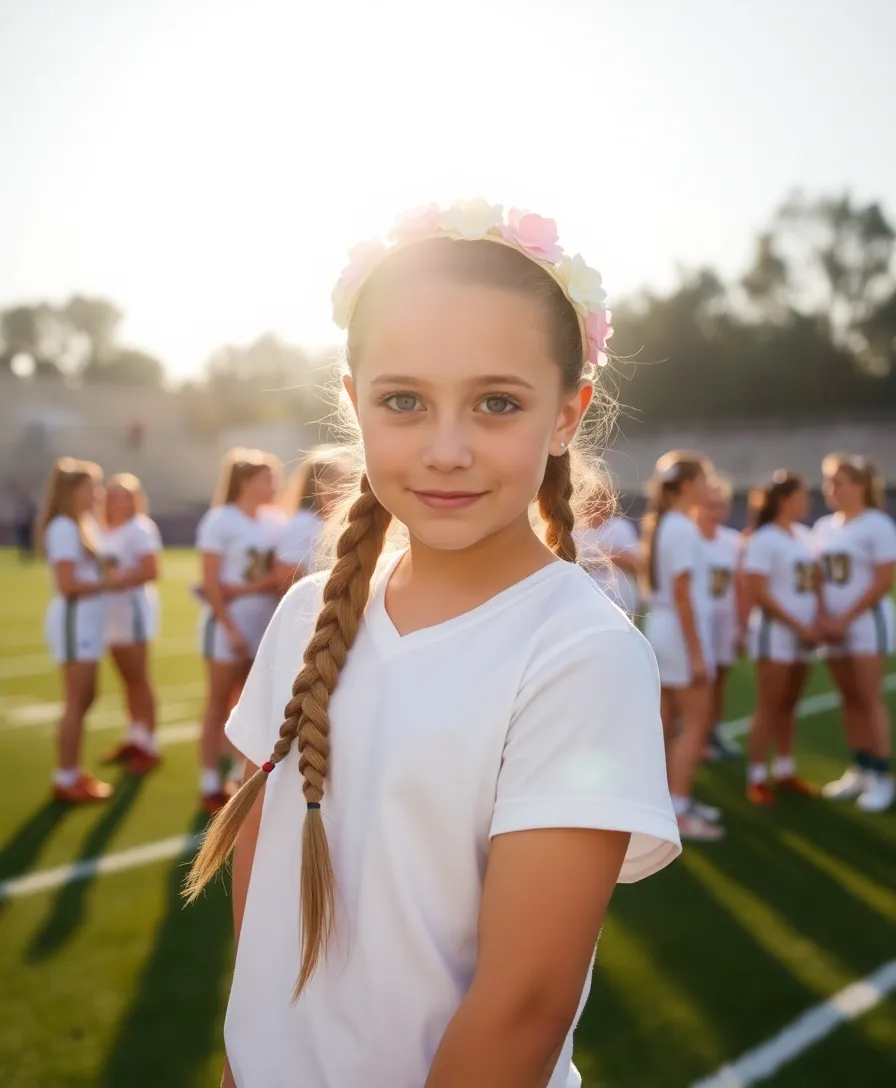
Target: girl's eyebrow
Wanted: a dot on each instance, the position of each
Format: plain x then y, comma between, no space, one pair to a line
484,379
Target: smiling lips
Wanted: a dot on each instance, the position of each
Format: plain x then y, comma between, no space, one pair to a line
448,500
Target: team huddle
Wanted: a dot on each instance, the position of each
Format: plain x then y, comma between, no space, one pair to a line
781,592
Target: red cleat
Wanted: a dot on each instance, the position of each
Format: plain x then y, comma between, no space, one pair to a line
121,753
85,791
142,762
760,793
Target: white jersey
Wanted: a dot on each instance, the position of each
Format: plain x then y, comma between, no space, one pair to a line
299,543
62,542
133,613
125,546
74,627
849,551
723,554
678,549
440,740
786,561
246,545
597,548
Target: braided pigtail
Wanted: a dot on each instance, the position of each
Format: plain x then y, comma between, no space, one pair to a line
305,717
554,502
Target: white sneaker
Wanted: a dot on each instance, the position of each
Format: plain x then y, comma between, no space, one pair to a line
879,794
710,813
691,828
850,785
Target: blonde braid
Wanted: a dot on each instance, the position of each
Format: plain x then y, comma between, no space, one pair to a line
305,716
554,497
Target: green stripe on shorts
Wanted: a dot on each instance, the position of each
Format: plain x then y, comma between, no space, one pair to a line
71,649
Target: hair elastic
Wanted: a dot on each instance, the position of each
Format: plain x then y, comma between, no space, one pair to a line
268,767
314,804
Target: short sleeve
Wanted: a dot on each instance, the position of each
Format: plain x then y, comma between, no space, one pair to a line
210,532
585,749
883,540
623,538
148,539
683,547
758,556
298,542
63,541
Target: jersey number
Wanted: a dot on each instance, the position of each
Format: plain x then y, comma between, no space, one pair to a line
805,577
719,581
260,563
837,568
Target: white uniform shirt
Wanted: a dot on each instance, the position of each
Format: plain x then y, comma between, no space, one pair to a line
786,561
126,545
299,542
722,554
246,545
485,724
678,549
598,546
849,552
62,541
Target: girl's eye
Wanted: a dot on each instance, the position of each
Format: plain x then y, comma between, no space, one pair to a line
499,406
402,402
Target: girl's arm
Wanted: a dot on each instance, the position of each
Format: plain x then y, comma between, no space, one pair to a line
213,594
148,571
881,587
681,595
68,584
243,856
543,903
760,596
287,574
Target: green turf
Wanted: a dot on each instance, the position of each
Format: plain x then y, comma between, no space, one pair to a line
111,982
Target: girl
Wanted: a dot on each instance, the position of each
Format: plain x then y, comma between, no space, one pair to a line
132,543
68,537
611,552
723,548
679,628
312,495
464,803
781,583
236,541
857,550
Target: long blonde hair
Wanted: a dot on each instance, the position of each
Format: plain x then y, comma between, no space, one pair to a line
127,481
303,492
237,467
58,500
862,471
345,595
673,470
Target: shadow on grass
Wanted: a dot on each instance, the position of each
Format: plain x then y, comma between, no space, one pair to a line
175,1018
20,850
67,910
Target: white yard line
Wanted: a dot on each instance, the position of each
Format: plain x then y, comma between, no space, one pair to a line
807,1030
40,664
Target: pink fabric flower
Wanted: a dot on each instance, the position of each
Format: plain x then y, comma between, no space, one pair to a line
362,259
533,233
417,223
598,330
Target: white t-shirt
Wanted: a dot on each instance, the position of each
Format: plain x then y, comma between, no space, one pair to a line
598,546
539,708
786,561
246,545
300,540
678,549
62,541
127,544
723,554
849,552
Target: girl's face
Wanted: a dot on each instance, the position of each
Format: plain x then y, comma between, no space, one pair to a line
260,489
796,506
716,506
695,492
460,403
120,506
88,496
843,493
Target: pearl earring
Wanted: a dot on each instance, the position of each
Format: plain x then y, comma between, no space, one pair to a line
562,445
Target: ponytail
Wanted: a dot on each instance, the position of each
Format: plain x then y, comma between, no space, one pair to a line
673,470
766,503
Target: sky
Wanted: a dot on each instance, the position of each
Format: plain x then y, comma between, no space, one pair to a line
206,164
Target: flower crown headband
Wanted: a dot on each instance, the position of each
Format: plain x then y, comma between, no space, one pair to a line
477,220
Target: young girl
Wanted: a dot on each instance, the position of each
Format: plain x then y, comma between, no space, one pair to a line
68,537
479,745
311,497
723,548
131,543
610,550
783,632
679,627
857,550
236,541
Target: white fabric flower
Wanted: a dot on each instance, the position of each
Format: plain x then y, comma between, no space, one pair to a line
472,219
582,284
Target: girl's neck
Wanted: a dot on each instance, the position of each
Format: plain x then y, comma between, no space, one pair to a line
708,528
848,515
249,508
784,523
679,506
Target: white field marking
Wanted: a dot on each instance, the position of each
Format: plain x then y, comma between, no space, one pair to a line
814,1024
47,879
144,855
21,711
40,664
21,717
815,704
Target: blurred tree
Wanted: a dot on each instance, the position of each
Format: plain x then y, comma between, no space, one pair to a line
31,331
125,366
97,321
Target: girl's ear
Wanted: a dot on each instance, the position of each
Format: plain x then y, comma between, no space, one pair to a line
348,385
570,416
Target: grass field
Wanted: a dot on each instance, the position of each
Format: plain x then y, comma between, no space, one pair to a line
108,981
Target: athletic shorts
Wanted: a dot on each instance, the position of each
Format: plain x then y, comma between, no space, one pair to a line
771,640
663,631
870,633
133,616
250,615
75,629
724,638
